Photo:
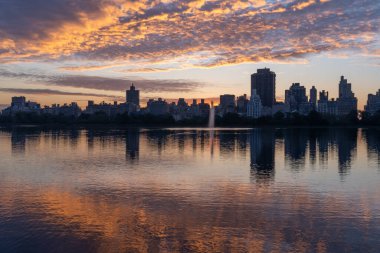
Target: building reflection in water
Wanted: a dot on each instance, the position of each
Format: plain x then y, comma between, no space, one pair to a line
319,144
146,212
372,138
295,148
227,143
159,139
313,146
323,139
262,151
132,144
328,142
18,142
346,141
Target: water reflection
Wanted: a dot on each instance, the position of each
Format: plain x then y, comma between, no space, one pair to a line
18,140
346,144
190,190
262,145
316,144
372,138
133,144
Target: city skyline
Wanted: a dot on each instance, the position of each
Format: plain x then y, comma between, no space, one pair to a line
52,51
263,85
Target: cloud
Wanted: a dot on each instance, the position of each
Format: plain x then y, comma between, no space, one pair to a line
148,70
206,33
53,92
105,83
81,68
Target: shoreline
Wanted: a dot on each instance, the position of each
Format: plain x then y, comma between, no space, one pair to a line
174,127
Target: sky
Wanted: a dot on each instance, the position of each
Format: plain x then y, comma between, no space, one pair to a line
59,51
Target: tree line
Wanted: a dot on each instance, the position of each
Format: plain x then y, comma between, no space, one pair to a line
228,120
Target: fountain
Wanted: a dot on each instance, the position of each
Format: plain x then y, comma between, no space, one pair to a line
211,125
211,117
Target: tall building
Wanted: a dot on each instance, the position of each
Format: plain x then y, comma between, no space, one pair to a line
227,100
346,102
227,103
295,96
254,106
324,96
264,82
133,95
19,104
241,104
313,97
204,108
373,103
323,102
345,89
182,103
326,106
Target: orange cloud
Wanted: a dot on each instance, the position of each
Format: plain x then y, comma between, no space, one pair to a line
152,31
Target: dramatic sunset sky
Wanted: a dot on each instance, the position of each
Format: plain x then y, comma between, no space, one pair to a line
56,51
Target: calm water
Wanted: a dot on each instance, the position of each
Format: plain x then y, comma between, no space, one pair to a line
190,190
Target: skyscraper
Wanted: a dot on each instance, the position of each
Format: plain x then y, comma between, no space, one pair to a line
373,103
227,100
133,95
241,104
227,103
264,82
295,96
313,96
347,101
323,102
345,89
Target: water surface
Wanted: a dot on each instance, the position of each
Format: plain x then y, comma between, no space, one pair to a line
190,190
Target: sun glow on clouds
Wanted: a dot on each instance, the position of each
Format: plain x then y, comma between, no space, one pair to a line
142,36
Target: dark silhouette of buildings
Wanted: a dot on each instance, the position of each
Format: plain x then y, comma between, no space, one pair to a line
20,105
110,109
67,110
158,107
262,104
326,106
264,82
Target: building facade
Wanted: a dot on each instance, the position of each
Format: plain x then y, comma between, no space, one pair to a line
254,106
133,95
227,103
346,102
313,97
295,96
158,107
20,105
241,104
